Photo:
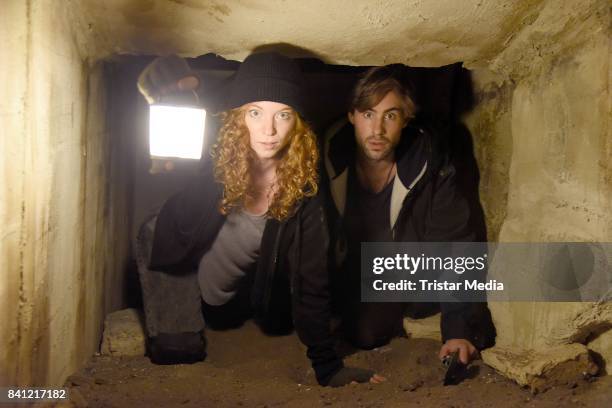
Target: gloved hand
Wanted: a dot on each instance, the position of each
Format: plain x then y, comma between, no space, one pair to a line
165,75
347,375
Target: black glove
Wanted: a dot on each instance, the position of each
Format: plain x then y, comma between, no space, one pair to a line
346,375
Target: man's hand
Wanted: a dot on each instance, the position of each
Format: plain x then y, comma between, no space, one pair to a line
466,349
166,75
352,375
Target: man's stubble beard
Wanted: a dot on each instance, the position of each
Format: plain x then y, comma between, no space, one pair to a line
377,156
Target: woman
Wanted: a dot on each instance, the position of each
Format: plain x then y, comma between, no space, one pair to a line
250,226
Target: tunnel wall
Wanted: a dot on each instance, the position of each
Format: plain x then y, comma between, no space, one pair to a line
61,189
544,146
490,125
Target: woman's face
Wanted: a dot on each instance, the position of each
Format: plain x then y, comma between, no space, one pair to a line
270,126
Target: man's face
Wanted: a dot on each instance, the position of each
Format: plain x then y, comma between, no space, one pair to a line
379,128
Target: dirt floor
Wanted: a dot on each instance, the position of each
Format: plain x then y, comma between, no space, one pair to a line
245,368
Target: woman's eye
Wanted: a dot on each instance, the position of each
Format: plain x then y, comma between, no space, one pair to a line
390,116
284,115
254,113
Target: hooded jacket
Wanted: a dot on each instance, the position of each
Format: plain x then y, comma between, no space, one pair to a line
425,203
291,270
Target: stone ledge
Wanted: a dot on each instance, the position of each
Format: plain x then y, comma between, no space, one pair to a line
123,334
426,328
542,369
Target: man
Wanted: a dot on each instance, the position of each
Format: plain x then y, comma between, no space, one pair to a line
389,182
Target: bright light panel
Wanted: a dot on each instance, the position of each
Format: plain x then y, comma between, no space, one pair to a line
176,131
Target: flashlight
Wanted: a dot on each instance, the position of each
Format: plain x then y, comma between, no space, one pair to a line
455,369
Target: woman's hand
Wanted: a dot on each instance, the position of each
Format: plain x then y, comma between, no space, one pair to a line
353,375
166,75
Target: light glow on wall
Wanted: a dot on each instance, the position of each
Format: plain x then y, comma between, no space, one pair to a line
176,131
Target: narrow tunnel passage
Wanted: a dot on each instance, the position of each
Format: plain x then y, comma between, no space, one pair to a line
526,118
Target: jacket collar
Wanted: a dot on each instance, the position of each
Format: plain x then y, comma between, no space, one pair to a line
413,154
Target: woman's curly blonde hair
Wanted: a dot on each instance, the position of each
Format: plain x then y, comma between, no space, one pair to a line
296,174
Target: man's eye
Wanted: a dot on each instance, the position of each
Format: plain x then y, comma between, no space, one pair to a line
367,115
254,113
284,115
391,116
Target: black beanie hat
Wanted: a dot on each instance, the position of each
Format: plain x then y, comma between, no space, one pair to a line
268,76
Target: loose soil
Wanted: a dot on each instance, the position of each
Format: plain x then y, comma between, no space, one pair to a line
246,368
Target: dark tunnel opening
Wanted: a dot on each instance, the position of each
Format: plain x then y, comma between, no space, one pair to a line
443,96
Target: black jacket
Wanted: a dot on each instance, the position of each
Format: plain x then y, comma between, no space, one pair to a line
425,204
291,270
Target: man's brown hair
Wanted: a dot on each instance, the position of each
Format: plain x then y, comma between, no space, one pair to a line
376,83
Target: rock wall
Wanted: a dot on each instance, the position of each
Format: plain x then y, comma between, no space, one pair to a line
61,193
418,33
544,145
490,124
